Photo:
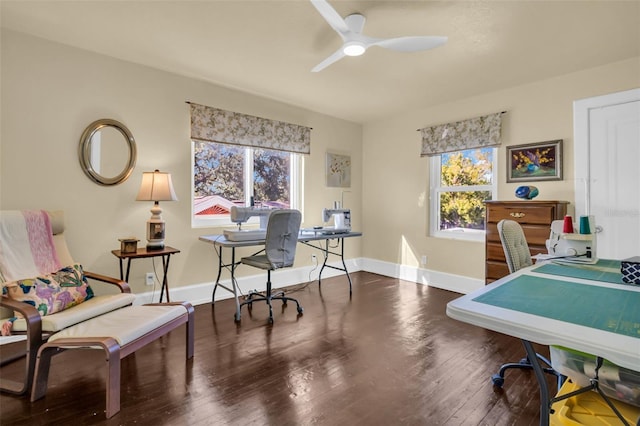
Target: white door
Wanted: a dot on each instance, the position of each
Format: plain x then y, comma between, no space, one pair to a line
607,162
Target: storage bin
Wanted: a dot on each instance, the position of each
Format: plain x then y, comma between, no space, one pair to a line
616,382
589,409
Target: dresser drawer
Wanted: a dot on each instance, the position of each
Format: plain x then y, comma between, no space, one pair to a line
535,234
496,270
495,252
542,215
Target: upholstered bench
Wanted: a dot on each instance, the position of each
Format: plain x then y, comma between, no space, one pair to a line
118,333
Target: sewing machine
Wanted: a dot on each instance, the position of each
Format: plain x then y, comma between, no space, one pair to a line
341,219
571,247
241,215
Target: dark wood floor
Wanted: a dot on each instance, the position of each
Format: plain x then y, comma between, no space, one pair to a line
387,356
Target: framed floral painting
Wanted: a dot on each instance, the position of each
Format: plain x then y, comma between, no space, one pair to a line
535,162
338,170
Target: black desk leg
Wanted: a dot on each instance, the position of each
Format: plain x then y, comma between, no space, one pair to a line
121,270
234,287
165,285
326,252
215,287
542,382
233,283
324,261
344,265
126,278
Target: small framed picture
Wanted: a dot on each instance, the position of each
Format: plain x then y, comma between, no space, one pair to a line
535,162
338,170
155,231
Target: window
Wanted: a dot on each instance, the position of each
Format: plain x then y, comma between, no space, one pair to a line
460,183
225,175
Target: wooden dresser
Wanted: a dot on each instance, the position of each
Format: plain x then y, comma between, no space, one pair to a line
535,218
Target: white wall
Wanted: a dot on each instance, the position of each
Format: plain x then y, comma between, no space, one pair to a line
395,193
51,92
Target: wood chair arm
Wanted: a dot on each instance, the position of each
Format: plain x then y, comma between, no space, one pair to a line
34,341
31,314
122,285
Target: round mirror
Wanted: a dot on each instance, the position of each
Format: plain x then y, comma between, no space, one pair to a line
107,152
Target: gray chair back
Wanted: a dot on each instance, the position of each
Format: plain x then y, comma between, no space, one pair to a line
514,244
282,237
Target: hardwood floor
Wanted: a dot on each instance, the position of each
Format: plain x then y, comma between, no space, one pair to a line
388,356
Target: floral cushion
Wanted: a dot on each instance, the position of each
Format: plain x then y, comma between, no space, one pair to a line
52,293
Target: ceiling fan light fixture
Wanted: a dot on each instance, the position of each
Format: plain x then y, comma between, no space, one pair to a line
353,49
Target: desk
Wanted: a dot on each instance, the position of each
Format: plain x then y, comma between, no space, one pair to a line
220,242
165,253
545,315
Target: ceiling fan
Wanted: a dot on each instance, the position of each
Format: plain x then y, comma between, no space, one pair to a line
355,43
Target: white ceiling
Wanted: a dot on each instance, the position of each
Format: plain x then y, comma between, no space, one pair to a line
268,47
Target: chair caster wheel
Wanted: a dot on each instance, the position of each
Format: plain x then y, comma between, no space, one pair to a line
300,310
236,318
497,380
270,320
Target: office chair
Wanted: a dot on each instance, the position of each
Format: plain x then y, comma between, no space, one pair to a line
518,256
281,240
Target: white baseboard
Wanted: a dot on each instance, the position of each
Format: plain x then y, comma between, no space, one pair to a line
201,293
443,280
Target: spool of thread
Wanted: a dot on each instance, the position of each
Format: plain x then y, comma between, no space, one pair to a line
585,228
568,225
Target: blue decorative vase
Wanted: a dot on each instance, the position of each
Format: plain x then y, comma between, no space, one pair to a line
527,192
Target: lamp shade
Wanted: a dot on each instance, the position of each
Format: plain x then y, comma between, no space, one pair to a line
156,186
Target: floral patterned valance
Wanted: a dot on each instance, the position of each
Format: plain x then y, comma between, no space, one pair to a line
467,134
217,125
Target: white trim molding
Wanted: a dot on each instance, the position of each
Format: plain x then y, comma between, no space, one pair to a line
443,280
199,294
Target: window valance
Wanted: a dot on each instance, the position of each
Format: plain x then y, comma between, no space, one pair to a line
475,132
217,125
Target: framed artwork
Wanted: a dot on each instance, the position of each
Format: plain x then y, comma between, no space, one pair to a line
535,162
338,170
155,231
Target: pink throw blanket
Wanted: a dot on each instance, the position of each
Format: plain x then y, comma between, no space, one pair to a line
26,245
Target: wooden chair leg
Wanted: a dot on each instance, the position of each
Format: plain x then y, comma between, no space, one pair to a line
41,374
112,353
33,343
113,380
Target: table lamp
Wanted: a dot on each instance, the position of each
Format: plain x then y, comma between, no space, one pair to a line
156,186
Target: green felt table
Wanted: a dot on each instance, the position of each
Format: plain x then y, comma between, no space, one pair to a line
618,310
604,270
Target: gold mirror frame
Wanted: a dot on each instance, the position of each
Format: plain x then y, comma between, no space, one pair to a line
84,152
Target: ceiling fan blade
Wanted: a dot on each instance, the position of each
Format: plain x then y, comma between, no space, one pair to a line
336,56
332,17
411,44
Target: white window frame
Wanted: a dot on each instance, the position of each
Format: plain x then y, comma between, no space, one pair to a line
296,163
434,199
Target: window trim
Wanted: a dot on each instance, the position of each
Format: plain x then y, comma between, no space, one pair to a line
435,188
296,164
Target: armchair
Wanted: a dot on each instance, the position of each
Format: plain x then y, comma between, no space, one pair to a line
38,328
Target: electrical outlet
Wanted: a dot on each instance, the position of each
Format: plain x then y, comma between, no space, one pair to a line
313,258
149,278
423,260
